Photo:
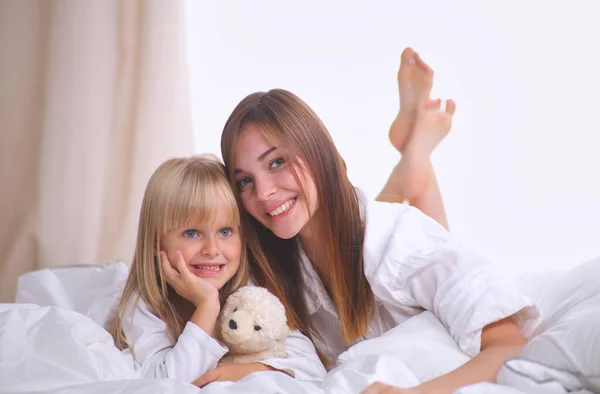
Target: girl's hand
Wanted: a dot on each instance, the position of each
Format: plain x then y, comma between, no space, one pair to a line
230,372
191,287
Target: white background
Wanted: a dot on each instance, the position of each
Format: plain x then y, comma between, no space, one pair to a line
518,171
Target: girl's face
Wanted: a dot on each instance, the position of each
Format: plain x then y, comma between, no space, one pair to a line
268,188
211,251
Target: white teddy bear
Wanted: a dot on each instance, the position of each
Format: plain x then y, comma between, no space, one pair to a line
253,325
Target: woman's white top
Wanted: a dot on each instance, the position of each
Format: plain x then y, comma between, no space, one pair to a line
196,352
413,264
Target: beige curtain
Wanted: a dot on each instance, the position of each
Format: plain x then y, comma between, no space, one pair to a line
93,97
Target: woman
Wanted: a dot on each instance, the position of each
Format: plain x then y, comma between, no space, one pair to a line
347,268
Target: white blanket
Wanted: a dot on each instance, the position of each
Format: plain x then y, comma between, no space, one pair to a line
60,346
520,376
49,349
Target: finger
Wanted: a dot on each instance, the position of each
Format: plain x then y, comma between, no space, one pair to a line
207,378
180,264
450,106
168,269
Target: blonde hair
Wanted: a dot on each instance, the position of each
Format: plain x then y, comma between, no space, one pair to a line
180,191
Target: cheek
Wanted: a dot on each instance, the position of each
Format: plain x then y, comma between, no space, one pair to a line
169,245
233,250
188,250
247,199
287,180
251,205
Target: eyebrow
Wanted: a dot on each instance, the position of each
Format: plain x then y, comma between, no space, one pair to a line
260,158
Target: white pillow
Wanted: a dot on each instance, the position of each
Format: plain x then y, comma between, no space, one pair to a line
421,343
91,290
569,335
44,348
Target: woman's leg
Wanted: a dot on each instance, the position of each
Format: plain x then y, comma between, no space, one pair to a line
419,127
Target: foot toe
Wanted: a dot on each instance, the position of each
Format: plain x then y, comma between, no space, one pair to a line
450,106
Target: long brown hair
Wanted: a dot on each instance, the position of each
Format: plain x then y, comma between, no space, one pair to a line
297,130
180,191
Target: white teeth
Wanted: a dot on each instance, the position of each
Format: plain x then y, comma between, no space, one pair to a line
279,210
208,268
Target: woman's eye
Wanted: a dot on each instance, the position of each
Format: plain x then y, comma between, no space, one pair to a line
226,232
190,233
277,162
243,182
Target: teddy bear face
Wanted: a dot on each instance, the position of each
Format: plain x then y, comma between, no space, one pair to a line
252,320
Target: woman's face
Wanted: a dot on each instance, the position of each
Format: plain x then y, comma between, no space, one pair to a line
267,185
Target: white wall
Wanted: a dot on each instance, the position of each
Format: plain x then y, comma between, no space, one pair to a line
518,171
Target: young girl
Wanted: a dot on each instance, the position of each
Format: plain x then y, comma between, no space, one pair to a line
190,255
348,268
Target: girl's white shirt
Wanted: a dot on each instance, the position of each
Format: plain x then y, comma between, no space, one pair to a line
196,352
413,264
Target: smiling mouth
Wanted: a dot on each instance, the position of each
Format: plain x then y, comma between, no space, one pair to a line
282,208
209,268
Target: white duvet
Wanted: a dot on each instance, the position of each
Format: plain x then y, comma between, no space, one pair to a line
49,349
58,345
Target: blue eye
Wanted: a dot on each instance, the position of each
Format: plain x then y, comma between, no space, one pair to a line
190,233
243,182
226,232
276,163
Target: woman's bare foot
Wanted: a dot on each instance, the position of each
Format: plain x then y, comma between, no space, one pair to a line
415,79
431,126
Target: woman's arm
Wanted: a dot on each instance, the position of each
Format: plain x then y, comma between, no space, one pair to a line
424,266
499,342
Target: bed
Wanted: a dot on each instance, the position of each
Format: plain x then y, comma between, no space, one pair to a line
52,340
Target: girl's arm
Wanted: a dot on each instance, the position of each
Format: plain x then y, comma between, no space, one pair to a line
302,363
194,353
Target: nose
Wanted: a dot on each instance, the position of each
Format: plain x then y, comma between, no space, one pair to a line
265,188
232,324
210,247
